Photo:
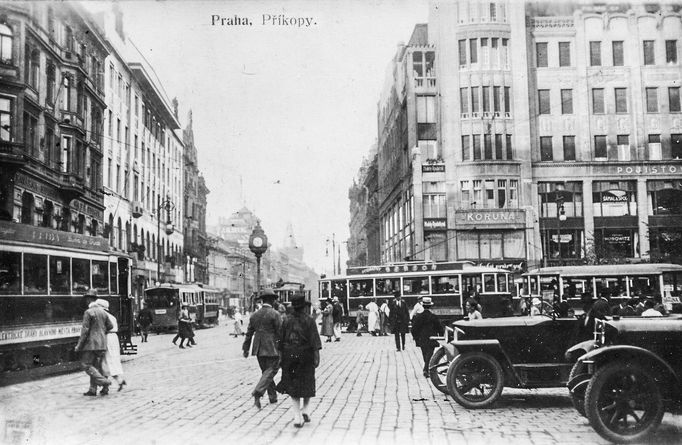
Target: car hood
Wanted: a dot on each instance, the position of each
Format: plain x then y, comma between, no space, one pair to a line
648,324
504,322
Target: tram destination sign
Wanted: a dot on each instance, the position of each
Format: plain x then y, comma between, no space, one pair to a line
29,234
405,267
38,333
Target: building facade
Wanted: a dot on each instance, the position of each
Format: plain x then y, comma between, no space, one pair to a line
535,134
363,243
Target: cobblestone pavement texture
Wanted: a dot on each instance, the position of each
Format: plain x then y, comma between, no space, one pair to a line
367,393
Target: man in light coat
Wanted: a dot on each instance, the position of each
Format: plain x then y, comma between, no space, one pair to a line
264,326
93,344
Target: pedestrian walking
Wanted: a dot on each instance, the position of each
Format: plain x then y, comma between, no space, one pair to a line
145,319
264,329
400,320
360,320
337,314
111,363
328,321
417,308
184,328
424,326
93,344
384,312
300,346
238,323
373,317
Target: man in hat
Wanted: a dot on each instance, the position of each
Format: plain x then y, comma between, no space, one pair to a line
264,326
399,316
424,326
93,344
145,320
337,315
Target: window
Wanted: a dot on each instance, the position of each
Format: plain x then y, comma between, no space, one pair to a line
546,152
617,52
496,100
564,54
498,147
674,99
473,50
6,43
569,148
598,100
422,64
32,67
486,99
493,12
676,146
426,117
485,52
477,147
541,54
434,200
464,100
110,124
652,100
671,51
474,100
462,53
621,100
507,108
509,147
501,193
490,193
595,53
618,198
68,39
550,195
543,99
487,146
665,197
6,123
31,134
648,47
60,281
466,148
490,245
66,98
80,275
504,58
51,83
566,101
600,147
494,53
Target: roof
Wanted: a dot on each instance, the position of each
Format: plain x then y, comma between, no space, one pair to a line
607,270
420,35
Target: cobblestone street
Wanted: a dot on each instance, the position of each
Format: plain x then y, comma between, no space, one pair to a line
366,393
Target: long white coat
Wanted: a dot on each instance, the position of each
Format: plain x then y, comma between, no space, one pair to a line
111,363
372,317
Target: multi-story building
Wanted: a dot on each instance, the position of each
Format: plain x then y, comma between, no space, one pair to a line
143,163
51,107
196,249
537,133
363,243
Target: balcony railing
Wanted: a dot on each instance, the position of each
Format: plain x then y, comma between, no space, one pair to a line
425,82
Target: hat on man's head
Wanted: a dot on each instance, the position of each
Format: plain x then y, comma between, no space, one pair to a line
91,293
427,301
396,293
335,299
268,295
104,304
297,301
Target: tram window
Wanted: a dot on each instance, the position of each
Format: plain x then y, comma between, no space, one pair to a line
324,291
113,278
10,273
387,286
339,290
445,284
415,285
100,276
673,282
533,285
549,286
35,274
502,282
60,275
80,275
488,282
645,286
611,287
361,288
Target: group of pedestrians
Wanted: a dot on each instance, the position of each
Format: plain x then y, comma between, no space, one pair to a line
99,346
185,329
288,342
332,315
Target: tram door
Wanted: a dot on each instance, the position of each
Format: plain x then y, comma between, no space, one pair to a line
125,322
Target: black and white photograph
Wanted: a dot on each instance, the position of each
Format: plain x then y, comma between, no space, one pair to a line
340,222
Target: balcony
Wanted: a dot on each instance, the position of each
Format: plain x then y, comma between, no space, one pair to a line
138,209
12,154
71,186
425,84
72,118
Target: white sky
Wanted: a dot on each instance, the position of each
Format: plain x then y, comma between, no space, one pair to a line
294,105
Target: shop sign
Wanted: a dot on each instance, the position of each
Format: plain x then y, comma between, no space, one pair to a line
648,170
42,235
435,223
617,238
39,333
508,266
36,187
85,208
478,217
433,168
564,238
614,196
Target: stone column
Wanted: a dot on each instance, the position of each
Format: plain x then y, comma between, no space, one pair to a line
588,214
643,218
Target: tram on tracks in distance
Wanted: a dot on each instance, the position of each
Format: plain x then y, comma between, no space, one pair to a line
287,290
166,300
44,274
448,284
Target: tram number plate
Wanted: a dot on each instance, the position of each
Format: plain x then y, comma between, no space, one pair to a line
159,311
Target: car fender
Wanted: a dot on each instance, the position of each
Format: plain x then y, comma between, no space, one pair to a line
493,348
578,350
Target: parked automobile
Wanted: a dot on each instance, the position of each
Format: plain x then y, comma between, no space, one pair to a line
520,352
633,376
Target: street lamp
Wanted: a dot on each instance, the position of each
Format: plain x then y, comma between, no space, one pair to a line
561,214
258,244
166,205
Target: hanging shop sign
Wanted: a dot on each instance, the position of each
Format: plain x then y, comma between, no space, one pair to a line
491,216
433,168
435,223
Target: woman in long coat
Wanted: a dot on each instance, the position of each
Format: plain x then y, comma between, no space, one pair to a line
111,363
328,321
300,349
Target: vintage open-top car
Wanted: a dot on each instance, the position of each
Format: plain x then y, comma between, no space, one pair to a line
634,375
521,352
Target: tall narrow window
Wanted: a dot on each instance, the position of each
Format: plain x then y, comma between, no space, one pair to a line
6,41
648,48
6,123
671,51
541,54
509,146
504,58
66,98
546,151
51,83
507,105
674,99
494,53
617,52
473,50
564,53
569,148
598,100
621,100
676,146
496,99
493,12
498,147
543,101
652,100
600,147
486,99
477,147
487,146
464,100
466,148
485,52
474,100
595,53
566,101
462,53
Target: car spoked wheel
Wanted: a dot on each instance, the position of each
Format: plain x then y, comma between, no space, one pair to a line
623,402
438,370
577,389
475,380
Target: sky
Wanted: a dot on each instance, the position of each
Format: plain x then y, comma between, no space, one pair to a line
282,115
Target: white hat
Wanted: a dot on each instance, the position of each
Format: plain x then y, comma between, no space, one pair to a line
536,301
104,304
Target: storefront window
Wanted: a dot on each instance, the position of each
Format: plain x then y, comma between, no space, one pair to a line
10,273
81,275
60,275
666,243
100,276
35,274
447,284
616,243
614,198
664,197
491,244
552,197
564,243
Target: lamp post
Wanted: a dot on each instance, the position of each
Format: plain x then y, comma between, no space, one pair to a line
258,244
561,214
166,205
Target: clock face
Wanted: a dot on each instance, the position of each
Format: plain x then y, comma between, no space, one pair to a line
257,241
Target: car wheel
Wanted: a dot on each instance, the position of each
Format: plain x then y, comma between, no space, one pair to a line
578,388
438,370
475,380
623,402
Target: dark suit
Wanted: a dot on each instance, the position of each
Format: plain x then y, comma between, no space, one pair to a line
264,327
424,326
93,343
399,317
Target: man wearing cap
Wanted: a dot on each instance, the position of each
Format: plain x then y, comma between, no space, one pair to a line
264,327
424,326
93,344
399,316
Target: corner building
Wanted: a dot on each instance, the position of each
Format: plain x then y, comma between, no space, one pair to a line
551,133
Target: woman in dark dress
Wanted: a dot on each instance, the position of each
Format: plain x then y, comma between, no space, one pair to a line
300,347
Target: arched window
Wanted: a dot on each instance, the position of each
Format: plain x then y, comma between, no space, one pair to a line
27,202
119,233
128,241
148,247
6,43
134,233
111,230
